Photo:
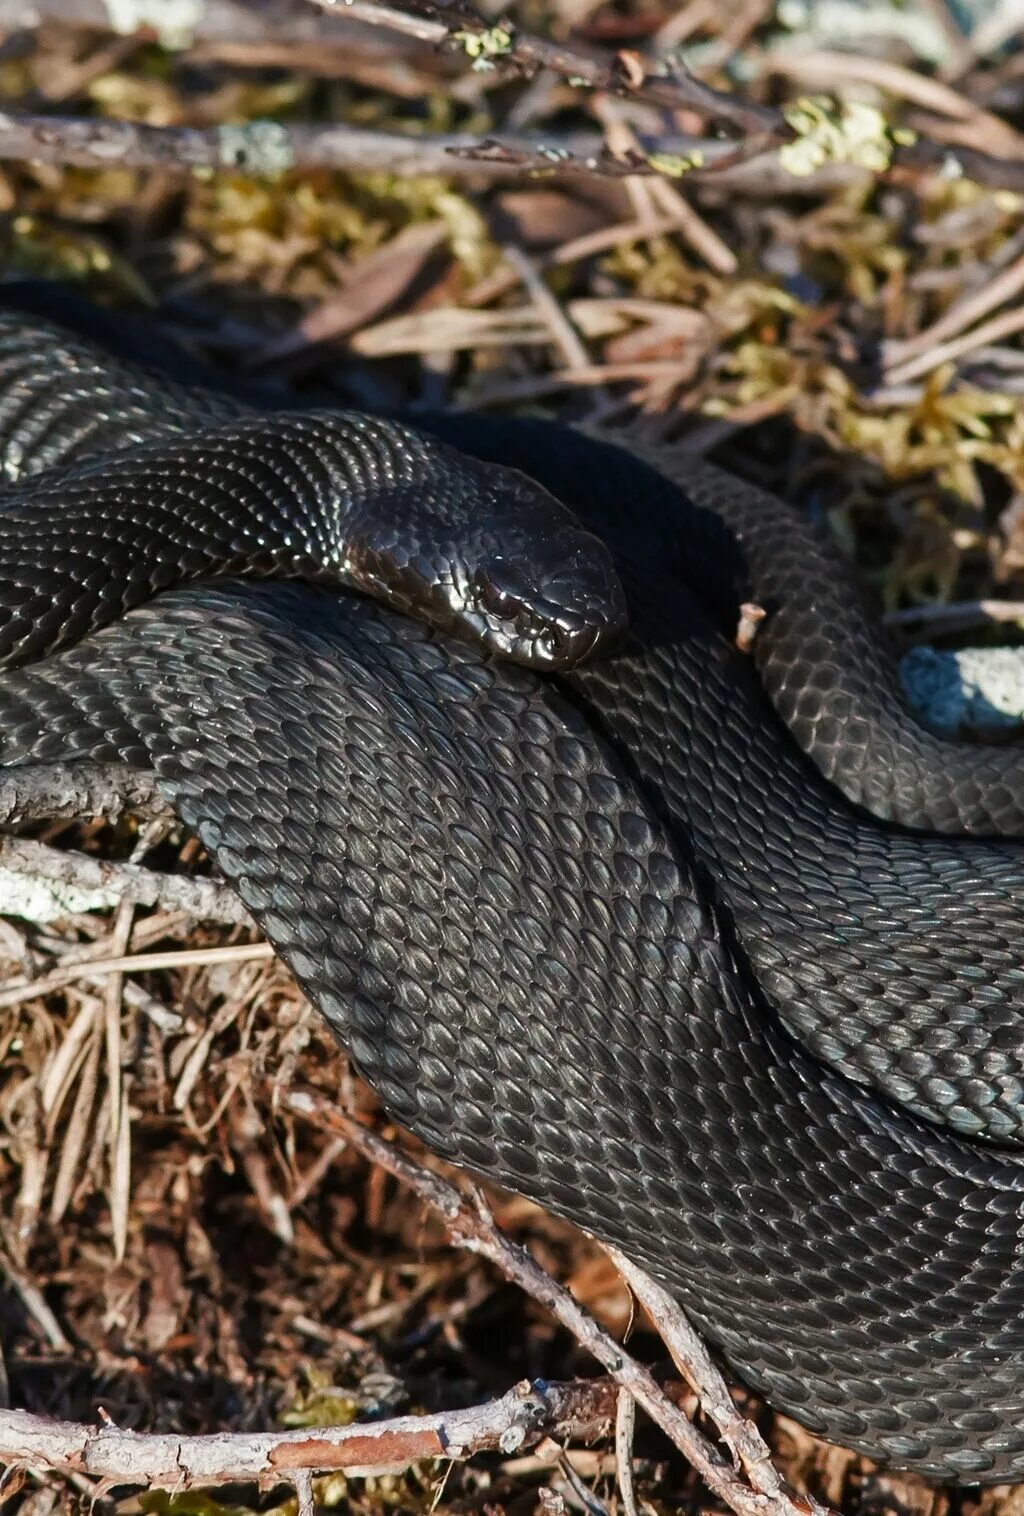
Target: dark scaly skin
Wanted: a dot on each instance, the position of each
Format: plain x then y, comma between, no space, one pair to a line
556,958
829,672
474,549
823,659
832,675
478,895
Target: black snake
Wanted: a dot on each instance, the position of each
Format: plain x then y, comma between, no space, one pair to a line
607,936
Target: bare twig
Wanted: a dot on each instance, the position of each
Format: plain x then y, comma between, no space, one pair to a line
751,616
17,990
1002,286
59,792
203,899
472,1227
428,21
270,148
32,1299
523,1416
956,613
563,334
625,1421
243,23
1005,325
693,1361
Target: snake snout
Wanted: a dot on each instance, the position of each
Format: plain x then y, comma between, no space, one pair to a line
553,619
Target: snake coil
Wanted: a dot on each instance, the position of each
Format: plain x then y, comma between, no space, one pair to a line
608,937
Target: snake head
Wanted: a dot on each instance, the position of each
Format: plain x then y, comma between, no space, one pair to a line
483,553
530,584
547,615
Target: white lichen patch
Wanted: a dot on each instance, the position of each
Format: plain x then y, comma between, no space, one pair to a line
174,21
45,900
261,148
976,691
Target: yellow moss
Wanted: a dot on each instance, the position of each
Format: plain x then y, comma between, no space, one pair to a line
675,165
484,47
39,249
830,131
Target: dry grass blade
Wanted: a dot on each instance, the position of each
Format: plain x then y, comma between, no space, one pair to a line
1004,285
996,330
131,963
80,1124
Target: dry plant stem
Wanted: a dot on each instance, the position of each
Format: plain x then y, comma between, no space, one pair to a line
270,148
66,792
625,1422
1000,327
523,1416
472,1227
563,334
16,991
995,291
202,899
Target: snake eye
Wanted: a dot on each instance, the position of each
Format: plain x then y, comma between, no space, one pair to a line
502,591
498,605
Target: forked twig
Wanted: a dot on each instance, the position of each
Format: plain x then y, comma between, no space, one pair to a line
471,1226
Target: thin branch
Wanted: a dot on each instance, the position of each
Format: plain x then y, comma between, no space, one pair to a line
997,289
957,614
245,22
16,991
693,1361
271,148
625,1421
628,73
615,73
472,1227
1005,325
67,792
268,147
202,899
522,1417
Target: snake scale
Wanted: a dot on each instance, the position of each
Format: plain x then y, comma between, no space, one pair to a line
611,934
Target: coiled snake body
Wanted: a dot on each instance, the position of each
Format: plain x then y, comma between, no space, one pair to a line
610,938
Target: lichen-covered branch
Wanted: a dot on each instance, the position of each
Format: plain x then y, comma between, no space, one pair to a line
269,148
202,899
112,1454
488,44
62,792
811,133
